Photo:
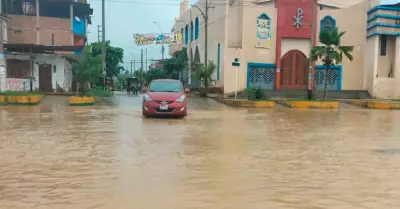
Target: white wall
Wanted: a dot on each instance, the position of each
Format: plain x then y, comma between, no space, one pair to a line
61,71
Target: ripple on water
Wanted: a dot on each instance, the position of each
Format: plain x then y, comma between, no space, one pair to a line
217,157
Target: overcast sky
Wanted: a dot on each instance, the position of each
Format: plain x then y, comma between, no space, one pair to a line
125,17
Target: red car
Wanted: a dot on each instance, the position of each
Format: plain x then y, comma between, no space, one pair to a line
165,97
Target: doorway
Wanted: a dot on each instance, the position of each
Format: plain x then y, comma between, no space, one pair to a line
294,70
45,84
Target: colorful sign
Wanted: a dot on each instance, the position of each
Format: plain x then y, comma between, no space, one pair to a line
178,37
143,39
263,32
2,61
18,84
149,39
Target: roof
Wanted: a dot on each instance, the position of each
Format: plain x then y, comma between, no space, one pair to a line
340,3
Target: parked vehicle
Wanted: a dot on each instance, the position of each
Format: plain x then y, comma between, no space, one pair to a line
132,85
165,97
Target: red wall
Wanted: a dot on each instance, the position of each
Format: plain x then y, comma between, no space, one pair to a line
287,9
78,40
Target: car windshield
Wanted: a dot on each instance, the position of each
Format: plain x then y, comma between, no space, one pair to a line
165,86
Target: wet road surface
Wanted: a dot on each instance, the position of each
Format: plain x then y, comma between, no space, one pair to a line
109,157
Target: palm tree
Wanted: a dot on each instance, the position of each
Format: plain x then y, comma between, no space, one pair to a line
331,51
205,77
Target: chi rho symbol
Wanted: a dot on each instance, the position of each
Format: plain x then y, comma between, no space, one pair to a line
298,18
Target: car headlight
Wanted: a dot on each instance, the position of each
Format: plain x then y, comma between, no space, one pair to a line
181,99
147,98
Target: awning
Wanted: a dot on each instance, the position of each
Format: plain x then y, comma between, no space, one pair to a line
34,48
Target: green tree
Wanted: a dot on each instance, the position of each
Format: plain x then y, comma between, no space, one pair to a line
114,56
174,65
87,70
141,75
155,74
204,76
122,80
331,51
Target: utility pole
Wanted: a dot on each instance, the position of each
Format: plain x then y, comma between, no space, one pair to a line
103,45
311,89
146,58
206,36
162,51
190,53
98,33
131,67
141,67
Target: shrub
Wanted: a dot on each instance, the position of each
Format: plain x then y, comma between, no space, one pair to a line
255,93
99,92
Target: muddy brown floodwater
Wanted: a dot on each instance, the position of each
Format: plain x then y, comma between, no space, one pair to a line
109,157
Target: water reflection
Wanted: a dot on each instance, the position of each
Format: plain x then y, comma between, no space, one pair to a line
55,156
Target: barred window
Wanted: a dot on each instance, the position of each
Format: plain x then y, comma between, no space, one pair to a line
328,23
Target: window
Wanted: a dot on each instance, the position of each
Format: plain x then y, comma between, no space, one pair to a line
328,23
54,69
196,28
186,34
398,20
383,45
191,31
165,86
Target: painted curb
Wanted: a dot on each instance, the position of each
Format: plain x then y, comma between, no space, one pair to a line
81,101
382,105
309,104
20,100
247,104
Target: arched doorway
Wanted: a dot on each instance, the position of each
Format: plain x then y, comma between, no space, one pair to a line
294,70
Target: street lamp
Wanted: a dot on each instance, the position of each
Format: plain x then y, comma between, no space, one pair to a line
162,45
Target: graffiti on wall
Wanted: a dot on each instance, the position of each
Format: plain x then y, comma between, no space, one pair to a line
18,84
263,31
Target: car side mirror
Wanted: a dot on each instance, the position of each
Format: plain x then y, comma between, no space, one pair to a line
187,91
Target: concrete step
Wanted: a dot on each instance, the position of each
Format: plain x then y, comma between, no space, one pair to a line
302,94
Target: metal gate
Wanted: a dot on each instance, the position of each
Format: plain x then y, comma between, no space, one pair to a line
334,78
261,76
45,84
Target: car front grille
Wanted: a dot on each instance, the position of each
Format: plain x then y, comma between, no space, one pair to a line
159,102
169,110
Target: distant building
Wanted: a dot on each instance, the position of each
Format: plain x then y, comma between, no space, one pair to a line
271,38
43,36
156,65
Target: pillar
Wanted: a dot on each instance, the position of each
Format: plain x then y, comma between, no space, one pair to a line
397,68
3,69
37,22
71,17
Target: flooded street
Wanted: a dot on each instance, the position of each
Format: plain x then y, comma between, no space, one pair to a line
109,157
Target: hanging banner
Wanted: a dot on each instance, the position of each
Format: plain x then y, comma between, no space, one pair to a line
149,39
144,39
263,33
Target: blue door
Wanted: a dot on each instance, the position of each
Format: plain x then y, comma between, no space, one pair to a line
334,78
261,76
